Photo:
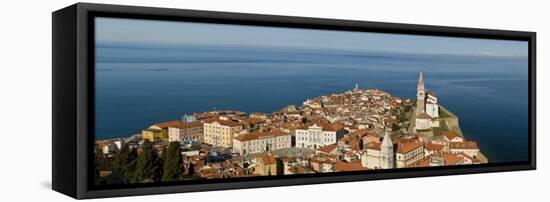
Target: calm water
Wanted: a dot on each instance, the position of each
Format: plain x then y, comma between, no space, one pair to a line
140,85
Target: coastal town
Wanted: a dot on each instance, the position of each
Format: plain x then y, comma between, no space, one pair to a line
352,131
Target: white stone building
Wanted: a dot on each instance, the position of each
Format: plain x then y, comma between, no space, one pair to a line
432,108
408,153
467,147
379,156
259,142
423,121
316,136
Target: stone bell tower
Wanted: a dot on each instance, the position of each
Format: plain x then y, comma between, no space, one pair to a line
420,95
386,152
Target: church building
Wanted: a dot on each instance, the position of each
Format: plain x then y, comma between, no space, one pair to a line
427,108
379,155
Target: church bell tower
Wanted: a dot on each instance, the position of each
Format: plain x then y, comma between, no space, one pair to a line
420,95
386,152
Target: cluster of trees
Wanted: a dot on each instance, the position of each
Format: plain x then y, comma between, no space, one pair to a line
403,112
130,166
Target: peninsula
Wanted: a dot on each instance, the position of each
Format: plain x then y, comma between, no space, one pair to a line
355,130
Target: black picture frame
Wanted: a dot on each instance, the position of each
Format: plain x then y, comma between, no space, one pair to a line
73,98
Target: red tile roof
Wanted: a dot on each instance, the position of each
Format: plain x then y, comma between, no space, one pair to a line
328,148
373,146
407,147
434,147
463,145
323,126
268,160
424,162
171,124
223,122
261,135
343,167
451,134
333,127
473,159
251,121
451,159
191,124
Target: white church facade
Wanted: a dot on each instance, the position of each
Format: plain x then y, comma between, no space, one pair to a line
379,156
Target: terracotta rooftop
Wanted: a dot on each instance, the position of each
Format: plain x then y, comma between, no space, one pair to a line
333,127
376,92
171,124
361,132
328,148
434,147
299,170
191,124
450,134
343,167
473,159
105,173
268,160
249,121
323,126
223,122
261,135
205,115
354,144
451,159
321,160
463,145
407,147
424,162
373,146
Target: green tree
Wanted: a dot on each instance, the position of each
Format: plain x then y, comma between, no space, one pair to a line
131,165
99,160
120,158
280,167
149,166
394,127
173,163
125,162
408,108
402,117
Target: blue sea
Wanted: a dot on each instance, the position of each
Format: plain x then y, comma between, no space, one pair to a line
138,85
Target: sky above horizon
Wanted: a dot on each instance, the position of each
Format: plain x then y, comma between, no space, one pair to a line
128,31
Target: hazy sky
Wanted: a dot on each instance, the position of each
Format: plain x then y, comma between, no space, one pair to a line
115,30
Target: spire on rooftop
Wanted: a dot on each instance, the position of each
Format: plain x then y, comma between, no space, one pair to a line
387,142
420,86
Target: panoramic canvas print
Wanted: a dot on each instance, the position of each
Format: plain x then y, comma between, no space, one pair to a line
187,101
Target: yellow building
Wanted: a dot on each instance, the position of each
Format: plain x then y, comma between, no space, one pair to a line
267,165
152,135
159,131
187,131
219,133
193,131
